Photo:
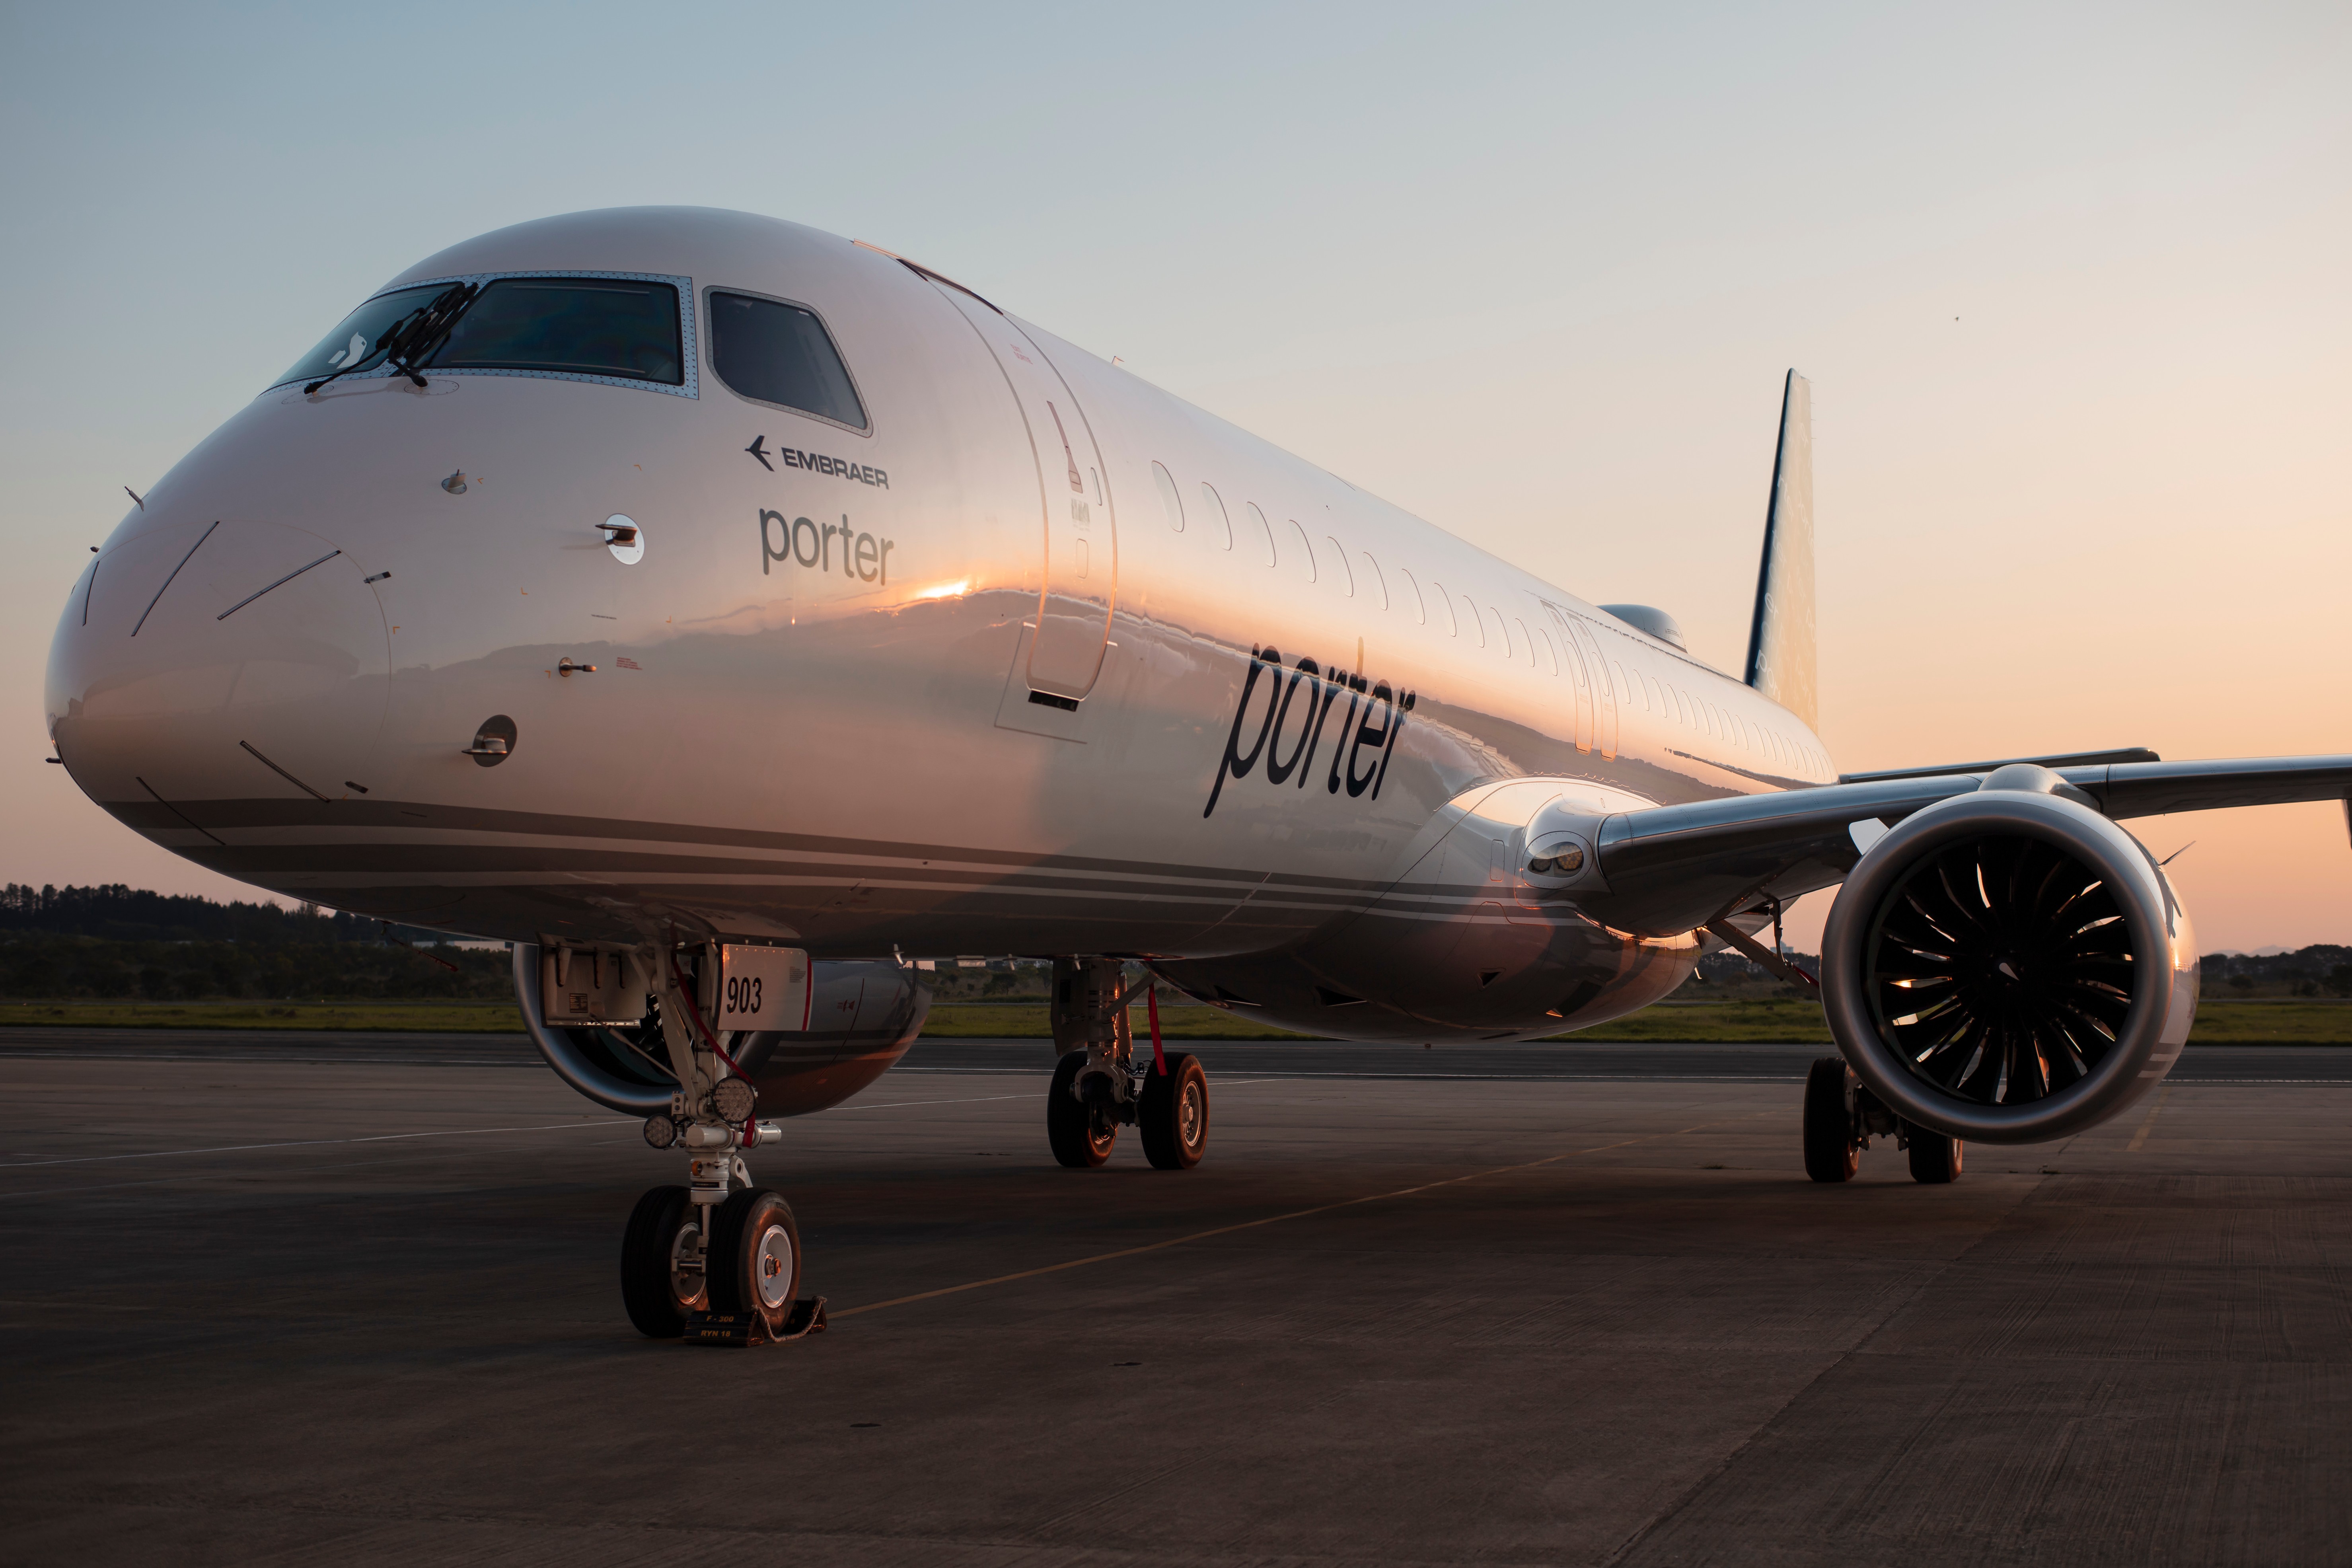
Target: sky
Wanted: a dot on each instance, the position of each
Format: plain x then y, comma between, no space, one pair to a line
2070,283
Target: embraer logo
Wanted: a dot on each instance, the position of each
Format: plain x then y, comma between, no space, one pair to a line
1354,734
815,463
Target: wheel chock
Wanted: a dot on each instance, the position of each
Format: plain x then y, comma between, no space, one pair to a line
750,1329
807,1317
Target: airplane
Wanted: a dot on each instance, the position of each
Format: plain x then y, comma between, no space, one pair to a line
733,617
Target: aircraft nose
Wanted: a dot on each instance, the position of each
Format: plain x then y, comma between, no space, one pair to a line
218,661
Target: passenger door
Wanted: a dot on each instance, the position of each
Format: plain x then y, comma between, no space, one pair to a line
1080,535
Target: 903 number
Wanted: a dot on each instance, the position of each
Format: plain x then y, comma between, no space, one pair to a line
743,994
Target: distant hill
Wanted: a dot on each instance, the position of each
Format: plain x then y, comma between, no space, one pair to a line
120,913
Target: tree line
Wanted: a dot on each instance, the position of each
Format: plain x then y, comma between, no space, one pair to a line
134,915
115,942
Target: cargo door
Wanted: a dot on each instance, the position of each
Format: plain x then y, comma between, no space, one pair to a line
1080,538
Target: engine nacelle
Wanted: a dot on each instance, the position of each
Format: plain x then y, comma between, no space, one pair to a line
862,1018
2009,966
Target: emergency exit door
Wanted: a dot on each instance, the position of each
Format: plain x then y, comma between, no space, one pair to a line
1079,535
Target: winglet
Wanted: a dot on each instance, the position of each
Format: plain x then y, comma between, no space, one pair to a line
1781,659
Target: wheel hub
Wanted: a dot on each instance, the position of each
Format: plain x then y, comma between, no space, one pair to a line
773,1266
686,1265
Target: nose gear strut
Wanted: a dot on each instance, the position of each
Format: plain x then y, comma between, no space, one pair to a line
718,1261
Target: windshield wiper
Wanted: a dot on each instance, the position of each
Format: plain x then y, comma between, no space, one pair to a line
414,337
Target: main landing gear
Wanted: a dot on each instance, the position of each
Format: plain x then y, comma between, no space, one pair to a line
1842,1116
718,1260
1097,1088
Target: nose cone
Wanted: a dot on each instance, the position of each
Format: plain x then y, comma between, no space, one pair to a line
204,664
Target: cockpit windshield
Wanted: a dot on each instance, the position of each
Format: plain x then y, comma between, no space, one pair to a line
623,328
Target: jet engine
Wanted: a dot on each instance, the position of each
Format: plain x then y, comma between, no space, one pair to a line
862,1018
2009,966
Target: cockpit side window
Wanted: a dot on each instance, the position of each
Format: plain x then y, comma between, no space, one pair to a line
771,352
360,338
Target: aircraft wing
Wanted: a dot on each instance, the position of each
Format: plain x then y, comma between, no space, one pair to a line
1675,868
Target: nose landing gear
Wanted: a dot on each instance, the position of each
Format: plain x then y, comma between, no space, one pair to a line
717,1261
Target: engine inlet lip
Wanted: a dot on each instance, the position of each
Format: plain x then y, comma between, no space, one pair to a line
2129,875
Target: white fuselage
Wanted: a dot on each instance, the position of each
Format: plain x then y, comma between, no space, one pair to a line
814,712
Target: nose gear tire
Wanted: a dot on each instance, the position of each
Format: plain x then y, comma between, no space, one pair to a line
1833,1153
1173,1119
1080,1135
651,1281
755,1257
1935,1159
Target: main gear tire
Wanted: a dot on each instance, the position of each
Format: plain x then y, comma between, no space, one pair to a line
1833,1153
1174,1118
755,1257
661,1278
1080,1134
1935,1159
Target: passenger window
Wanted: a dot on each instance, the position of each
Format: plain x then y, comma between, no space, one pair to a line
1550,654
1212,507
1372,575
1444,602
1265,530
1413,597
1305,550
1470,613
774,353
1624,693
1525,641
1170,501
1340,575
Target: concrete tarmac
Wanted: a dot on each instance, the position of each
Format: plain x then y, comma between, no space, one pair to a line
355,1300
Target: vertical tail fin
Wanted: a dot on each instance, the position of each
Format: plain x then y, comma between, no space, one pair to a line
1780,661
